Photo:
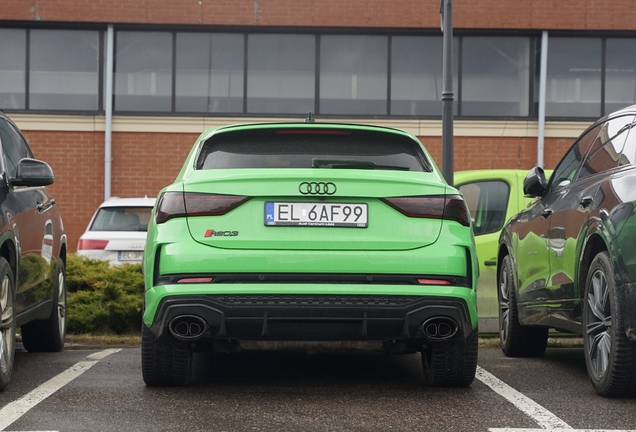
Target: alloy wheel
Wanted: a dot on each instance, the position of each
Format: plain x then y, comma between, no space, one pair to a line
504,305
61,304
598,325
6,325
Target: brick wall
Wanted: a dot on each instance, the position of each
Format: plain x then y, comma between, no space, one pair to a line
146,162
143,164
469,14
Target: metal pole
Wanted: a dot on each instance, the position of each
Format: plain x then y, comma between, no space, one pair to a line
542,90
108,97
447,92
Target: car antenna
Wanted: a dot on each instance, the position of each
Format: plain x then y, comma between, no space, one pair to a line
309,118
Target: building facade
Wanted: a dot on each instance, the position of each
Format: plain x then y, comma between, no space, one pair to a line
113,93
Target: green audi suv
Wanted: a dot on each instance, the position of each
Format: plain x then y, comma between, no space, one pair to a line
310,236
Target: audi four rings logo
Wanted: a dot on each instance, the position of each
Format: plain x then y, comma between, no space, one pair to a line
317,188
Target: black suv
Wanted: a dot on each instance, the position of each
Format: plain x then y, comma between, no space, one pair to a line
569,261
32,253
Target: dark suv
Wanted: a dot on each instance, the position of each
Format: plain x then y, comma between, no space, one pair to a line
32,253
569,261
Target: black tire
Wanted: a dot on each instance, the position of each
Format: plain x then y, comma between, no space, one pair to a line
164,362
516,340
49,335
7,323
610,356
451,363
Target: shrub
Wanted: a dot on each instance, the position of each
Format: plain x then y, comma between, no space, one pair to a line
103,299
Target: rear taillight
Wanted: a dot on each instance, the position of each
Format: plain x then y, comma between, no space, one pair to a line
92,244
450,207
177,204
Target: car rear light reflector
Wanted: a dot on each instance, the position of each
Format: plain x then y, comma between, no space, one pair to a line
422,281
450,207
177,204
193,280
92,244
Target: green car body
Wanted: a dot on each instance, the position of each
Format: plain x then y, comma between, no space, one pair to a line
493,197
222,275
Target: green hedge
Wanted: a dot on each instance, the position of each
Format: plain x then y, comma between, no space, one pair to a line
103,299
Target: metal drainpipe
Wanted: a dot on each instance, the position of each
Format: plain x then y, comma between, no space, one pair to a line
542,94
108,97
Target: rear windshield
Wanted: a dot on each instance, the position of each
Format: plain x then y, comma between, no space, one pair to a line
317,148
122,219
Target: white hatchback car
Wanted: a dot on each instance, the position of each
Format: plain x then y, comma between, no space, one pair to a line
117,231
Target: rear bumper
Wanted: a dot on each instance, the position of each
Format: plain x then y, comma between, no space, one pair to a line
106,255
313,317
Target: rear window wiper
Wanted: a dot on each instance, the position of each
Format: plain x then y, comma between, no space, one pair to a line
353,164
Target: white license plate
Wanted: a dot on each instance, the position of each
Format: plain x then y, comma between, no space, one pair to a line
316,214
131,255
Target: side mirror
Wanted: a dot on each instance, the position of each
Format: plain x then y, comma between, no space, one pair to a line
32,172
534,184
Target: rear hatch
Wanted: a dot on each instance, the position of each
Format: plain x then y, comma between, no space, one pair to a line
312,189
120,230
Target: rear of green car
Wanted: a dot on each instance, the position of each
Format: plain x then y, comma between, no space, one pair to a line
310,236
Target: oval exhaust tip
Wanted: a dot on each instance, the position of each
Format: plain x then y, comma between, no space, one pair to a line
439,328
187,327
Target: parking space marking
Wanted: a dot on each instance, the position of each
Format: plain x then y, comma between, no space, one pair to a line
536,412
16,409
556,430
543,417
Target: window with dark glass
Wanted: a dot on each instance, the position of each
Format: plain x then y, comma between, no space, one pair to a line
495,76
12,68
350,74
281,73
122,219
487,202
14,147
353,75
573,86
143,71
312,148
209,73
416,75
566,170
606,149
64,70
628,154
620,74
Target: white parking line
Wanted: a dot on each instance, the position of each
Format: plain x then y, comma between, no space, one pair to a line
536,412
16,409
556,430
543,417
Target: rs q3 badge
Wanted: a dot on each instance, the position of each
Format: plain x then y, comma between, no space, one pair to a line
317,188
214,233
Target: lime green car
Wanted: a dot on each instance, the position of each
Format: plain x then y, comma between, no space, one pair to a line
493,197
310,236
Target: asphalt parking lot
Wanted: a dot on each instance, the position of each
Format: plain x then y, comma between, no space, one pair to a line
102,389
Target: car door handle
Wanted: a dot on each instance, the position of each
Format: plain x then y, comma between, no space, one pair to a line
546,212
490,263
586,201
